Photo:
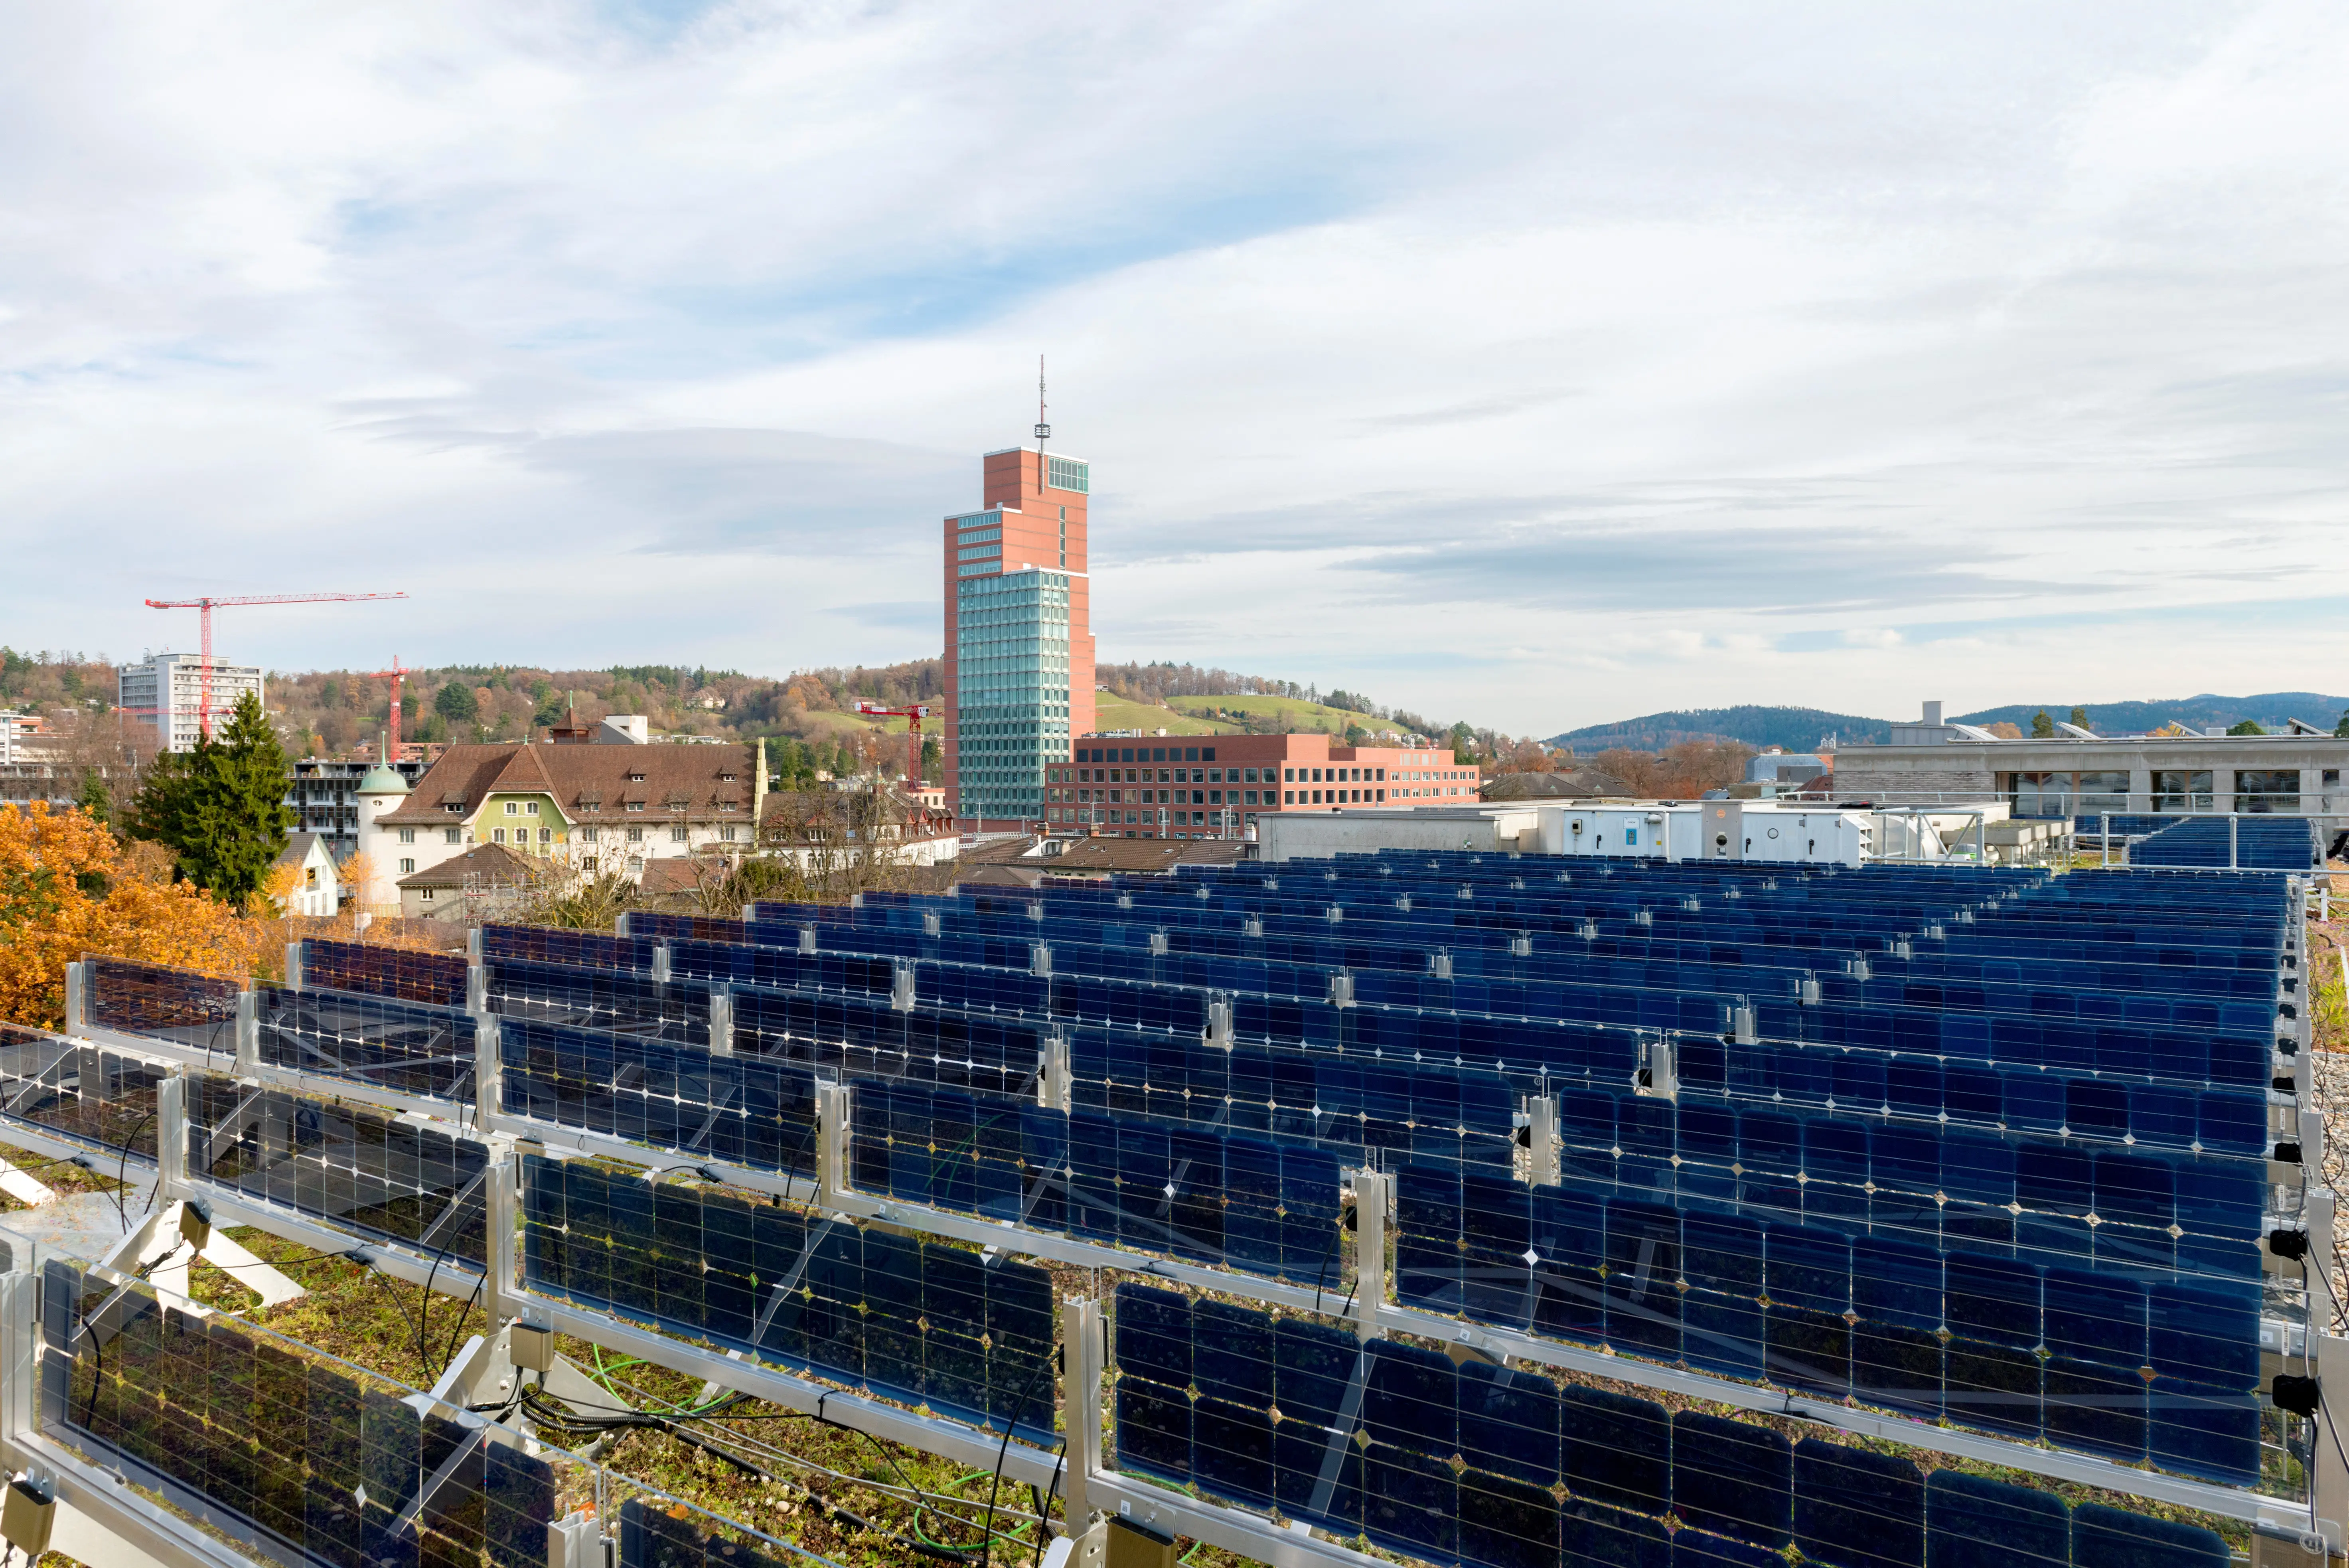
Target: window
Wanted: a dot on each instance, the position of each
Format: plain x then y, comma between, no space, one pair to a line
310,875
677,836
2103,792
513,808
2182,791
587,836
425,895
2332,777
453,835
2271,791
546,835
498,835
532,808
726,832
636,835
2043,794
636,806
407,867
588,866
1067,474
408,835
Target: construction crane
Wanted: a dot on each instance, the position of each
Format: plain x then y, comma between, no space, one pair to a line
206,606
397,676
913,717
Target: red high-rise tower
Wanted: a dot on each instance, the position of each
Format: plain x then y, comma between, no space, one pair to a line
1018,635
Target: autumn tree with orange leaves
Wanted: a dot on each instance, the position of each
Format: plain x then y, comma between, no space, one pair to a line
70,888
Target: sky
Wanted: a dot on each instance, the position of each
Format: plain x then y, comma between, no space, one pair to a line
1534,364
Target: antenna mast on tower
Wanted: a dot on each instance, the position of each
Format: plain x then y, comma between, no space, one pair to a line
1043,430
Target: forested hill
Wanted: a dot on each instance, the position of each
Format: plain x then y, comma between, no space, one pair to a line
1794,728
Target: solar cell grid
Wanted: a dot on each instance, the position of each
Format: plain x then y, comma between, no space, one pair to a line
1477,1464
921,1322
438,979
412,1047
132,998
320,1461
101,1098
355,1167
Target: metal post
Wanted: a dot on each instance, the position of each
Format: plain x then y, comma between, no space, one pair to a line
721,1021
170,1138
292,966
1082,1350
488,1075
77,999
2105,837
476,988
2233,824
661,965
1372,1193
501,1194
1053,1085
1541,1141
248,1034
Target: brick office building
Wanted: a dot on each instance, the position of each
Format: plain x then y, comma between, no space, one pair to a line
1184,787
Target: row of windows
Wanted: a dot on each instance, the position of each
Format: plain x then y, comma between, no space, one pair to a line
1225,775
978,552
1146,754
2193,789
1144,818
980,537
1271,798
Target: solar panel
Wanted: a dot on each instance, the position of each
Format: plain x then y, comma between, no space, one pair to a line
358,1168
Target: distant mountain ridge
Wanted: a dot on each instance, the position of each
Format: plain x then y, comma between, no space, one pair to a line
1802,729
2270,710
1794,728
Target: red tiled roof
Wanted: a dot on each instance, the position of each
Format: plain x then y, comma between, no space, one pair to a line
676,778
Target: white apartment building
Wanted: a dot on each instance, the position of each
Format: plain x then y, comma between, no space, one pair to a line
168,691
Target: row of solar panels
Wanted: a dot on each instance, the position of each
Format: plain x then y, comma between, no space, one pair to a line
2194,1040
2072,1352
297,1457
2142,1193
1562,949
1603,990
1927,1178
1099,1178
1466,1463
927,1119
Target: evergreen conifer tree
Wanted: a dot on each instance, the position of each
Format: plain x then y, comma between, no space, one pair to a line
222,807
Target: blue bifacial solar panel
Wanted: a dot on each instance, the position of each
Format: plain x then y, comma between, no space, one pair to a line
435,979
355,1167
923,1322
192,1010
100,1098
316,1466
410,1047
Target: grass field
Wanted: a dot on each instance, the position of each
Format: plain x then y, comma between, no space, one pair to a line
1112,711
1292,713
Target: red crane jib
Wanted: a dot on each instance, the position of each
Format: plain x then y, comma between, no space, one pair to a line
205,605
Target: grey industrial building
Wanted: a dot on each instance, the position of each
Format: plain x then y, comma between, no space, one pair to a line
2079,773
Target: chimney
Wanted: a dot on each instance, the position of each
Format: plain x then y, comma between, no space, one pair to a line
1932,712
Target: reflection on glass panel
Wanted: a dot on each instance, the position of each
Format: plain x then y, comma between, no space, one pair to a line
2182,791
2104,791
2274,790
2043,794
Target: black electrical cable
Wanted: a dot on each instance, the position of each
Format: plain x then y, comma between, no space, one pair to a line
1018,1409
123,1171
1043,1504
462,1316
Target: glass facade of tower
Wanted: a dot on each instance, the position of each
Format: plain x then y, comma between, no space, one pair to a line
1011,707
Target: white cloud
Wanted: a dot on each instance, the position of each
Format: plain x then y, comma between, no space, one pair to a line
1537,364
